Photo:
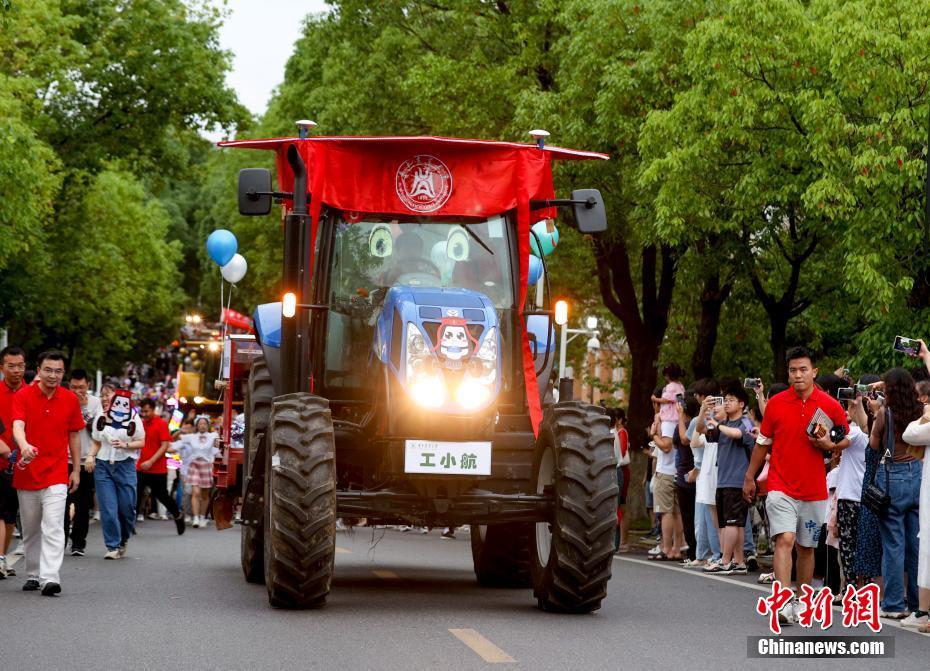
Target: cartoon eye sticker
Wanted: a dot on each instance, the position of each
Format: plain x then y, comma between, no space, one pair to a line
380,241
457,244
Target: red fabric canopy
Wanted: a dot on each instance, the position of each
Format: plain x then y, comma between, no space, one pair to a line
434,176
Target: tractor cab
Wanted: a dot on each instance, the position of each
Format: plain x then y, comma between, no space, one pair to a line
404,367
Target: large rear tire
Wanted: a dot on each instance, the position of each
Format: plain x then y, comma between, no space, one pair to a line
259,395
501,554
300,501
570,558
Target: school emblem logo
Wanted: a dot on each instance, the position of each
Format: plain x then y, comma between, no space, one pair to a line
423,183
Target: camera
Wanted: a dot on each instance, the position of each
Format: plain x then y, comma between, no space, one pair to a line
846,394
752,382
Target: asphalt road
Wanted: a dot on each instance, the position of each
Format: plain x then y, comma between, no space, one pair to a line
399,601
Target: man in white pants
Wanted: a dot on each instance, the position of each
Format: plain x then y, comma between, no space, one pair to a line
47,422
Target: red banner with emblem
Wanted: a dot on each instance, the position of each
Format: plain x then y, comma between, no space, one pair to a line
428,176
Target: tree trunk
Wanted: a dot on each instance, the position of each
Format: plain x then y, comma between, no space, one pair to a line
644,315
777,339
712,298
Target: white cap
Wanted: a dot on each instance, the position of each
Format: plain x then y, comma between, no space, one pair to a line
539,133
306,123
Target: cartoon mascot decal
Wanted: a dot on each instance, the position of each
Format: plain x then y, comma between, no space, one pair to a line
117,422
454,338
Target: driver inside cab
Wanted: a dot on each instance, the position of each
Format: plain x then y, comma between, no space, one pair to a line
407,258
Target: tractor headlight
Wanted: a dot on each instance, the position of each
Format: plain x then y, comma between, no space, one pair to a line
472,394
486,359
478,382
425,384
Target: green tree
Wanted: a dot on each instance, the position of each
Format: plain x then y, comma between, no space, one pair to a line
801,135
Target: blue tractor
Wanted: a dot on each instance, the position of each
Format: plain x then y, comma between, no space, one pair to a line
406,369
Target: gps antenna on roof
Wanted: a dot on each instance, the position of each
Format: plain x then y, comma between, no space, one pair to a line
303,127
540,136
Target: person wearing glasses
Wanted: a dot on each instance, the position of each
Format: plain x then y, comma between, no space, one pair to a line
47,424
13,367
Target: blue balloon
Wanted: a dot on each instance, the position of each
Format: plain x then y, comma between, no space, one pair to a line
222,246
535,270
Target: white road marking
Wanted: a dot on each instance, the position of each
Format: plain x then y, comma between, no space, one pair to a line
482,646
691,571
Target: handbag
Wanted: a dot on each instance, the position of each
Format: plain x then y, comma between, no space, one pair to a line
874,497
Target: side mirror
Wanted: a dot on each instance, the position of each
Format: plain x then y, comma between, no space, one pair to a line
254,192
534,344
590,215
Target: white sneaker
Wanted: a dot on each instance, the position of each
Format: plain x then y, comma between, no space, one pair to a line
112,554
20,550
913,620
96,515
122,550
340,525
140,518
188,519
196,522
893,615
656,550
788,614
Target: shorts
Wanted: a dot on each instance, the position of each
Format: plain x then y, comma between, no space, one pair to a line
732,508
200,474
804,519
665,499
668,429
9,502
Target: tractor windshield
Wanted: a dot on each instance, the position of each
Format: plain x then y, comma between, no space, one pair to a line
377,254
372,254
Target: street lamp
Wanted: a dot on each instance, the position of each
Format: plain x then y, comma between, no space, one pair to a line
561,318
594,346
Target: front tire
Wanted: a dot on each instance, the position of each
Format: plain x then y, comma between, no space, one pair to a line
300,501
501,554
259,395
570,558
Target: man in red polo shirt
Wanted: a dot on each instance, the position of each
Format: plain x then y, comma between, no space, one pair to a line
47,422
796,502
13,367
152,468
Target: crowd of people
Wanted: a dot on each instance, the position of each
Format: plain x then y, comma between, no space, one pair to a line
823,462
65,451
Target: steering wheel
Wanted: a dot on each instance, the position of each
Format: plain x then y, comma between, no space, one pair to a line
415,265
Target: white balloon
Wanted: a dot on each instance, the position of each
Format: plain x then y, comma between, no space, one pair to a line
235,270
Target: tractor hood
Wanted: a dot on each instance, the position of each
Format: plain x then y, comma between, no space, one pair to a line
442,346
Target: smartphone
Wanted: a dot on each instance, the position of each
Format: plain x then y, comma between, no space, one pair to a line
846,394
681,399
907,346
751,382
